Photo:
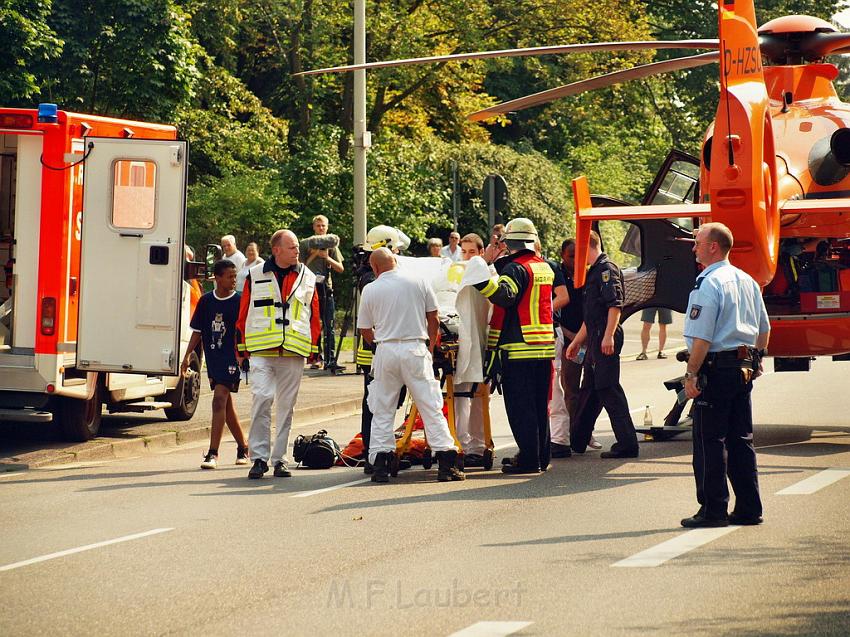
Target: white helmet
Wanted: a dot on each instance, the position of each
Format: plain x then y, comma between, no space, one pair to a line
385,237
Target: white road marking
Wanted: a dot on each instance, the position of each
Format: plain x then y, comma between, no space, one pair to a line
304,494
80,549
815,483
675,547
491,629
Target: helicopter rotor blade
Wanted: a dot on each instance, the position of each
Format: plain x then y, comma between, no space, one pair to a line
538,50
600,81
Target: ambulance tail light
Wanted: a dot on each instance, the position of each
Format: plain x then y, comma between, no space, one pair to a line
48,316
15,120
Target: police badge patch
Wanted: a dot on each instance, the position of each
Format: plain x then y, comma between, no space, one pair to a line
695,310
606,276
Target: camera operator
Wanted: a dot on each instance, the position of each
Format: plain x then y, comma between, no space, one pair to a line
321,254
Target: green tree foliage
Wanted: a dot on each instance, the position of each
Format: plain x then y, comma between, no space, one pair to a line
129,58
25,40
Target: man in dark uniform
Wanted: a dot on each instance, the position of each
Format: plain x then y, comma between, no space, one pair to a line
602,335
726,330
521,341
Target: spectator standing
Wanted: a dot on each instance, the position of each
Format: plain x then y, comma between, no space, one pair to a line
647,317
496,248
231,252
324,263
214,324
279,327
252,258
435,247
453,251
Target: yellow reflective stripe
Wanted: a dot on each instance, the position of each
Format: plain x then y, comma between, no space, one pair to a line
509,282
490,289
534,302
532,355
296,309
521,346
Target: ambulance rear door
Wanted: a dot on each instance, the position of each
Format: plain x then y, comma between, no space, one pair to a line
131,265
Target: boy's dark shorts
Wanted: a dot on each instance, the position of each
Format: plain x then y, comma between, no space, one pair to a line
232,384
665,316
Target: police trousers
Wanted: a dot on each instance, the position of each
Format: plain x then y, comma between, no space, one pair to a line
590,403
274,380
723,445
405,363
526,385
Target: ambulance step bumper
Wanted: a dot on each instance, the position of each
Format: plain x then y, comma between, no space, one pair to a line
25,415
140,406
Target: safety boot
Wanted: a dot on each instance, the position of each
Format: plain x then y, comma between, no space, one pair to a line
447,469
383,461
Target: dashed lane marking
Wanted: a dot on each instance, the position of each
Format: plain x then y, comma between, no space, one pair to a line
815,483
491,629
679,545
304,494
80,549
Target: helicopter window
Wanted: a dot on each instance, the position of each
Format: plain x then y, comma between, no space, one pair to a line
621,241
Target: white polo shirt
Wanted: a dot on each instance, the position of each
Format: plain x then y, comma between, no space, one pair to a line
394,306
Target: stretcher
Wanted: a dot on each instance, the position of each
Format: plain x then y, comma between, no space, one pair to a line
445,356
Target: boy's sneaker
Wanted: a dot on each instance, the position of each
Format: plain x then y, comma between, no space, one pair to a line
210,461
242,455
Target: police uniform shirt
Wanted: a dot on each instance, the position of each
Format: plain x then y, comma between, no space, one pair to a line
603,290
725,308
394,306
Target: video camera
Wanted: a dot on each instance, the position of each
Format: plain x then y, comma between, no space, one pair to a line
322,242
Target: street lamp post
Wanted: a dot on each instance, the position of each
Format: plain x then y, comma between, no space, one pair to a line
362,137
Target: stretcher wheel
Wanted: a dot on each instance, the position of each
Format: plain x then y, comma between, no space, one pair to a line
394,466
427,459
488,459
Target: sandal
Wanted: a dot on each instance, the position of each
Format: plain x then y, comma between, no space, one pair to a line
641,357
662,355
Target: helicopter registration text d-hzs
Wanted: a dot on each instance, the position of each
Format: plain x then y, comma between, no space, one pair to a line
93,305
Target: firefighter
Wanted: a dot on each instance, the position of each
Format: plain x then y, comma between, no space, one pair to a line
602,334
279,327
521,343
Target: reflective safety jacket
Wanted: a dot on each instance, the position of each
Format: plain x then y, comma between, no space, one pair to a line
279,319
364,354
521,323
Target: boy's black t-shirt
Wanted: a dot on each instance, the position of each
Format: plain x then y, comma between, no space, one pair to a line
215,319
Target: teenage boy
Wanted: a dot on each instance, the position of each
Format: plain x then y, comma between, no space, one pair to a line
214,324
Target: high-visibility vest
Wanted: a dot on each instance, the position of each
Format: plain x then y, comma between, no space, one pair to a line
271,323
532,336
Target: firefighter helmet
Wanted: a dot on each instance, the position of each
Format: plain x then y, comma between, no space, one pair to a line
520,229
385,237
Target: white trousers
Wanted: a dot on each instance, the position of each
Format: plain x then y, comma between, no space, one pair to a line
559,417
405,363
274,380
469,421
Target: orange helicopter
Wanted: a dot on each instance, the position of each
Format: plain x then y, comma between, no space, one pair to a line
774,167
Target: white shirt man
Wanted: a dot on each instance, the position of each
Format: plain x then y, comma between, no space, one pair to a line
399,313
453,250
231,253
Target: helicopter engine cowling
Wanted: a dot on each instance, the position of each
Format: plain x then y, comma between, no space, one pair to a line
829,159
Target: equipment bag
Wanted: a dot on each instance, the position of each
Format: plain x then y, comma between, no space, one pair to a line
319,451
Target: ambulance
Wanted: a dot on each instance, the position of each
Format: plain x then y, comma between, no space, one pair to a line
94,304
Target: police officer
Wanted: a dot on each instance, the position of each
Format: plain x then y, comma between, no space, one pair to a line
521,340
726,330
601,333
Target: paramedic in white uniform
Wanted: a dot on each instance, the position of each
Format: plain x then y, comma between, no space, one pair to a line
398,312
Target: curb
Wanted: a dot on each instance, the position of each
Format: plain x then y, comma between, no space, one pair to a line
302,417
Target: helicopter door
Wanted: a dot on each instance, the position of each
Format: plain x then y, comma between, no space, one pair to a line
676,182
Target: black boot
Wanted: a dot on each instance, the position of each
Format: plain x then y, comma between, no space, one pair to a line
382,467
447,469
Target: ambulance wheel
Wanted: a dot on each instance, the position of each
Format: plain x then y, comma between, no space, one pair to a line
427,459
80,419
488,459
186,395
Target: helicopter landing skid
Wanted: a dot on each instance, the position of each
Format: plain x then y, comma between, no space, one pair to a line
674,424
